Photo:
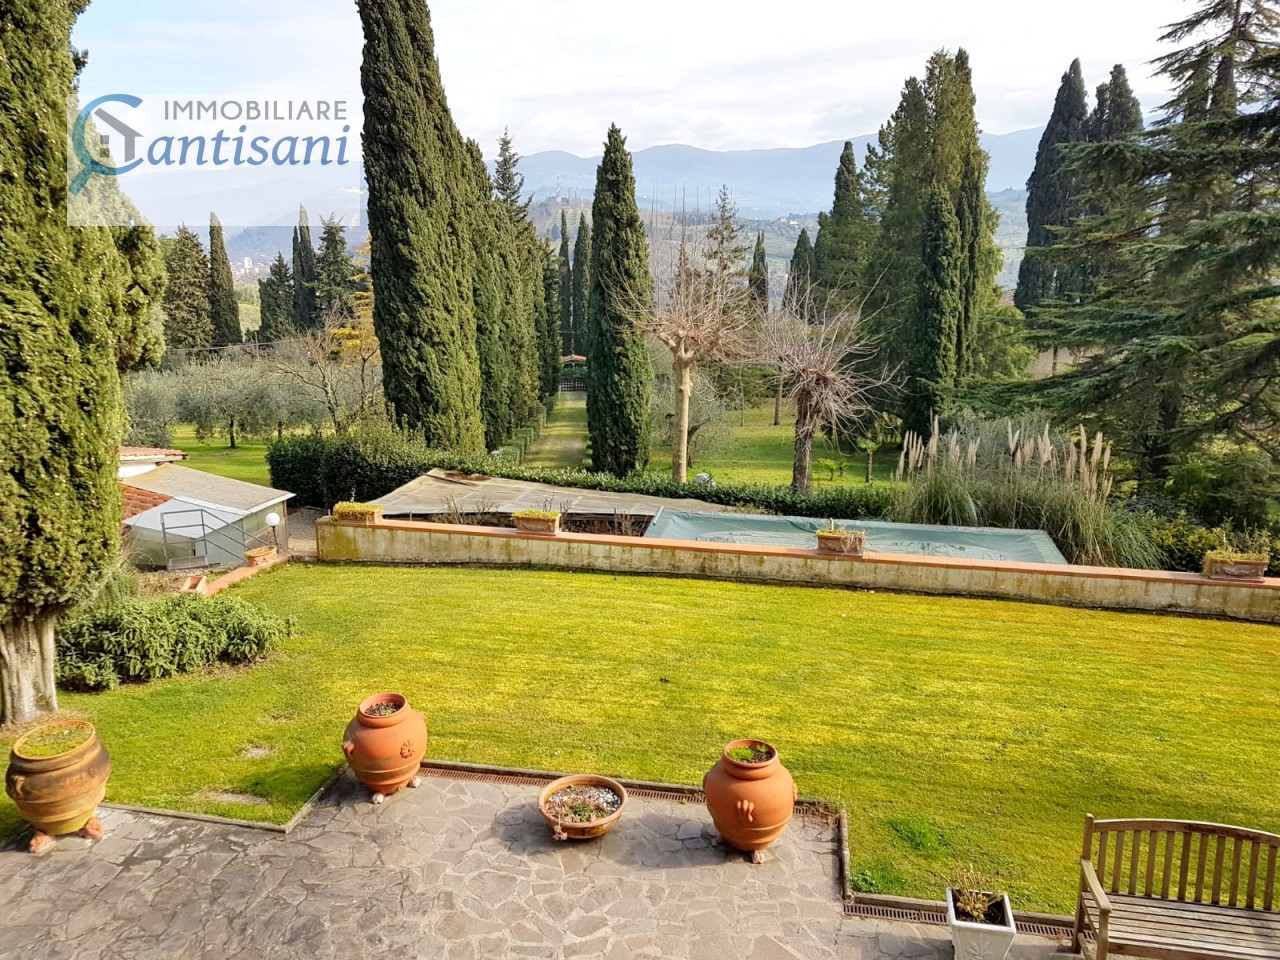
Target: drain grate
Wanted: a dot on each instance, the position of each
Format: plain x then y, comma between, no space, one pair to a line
878,912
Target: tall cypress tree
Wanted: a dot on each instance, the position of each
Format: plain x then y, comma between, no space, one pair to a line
800,273
845,237
186,297
65,294
224,312
725,253
581,284
619,371
933,361
1053,194
306,313
1117,114
549,336
564,288
758,275
275,300
415,165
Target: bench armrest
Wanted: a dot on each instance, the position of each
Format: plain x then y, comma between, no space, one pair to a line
1090,878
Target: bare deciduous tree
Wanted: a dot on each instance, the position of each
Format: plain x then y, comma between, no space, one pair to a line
339,365
825,362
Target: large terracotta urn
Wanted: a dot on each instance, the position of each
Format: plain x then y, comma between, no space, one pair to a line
57,777
750,795
384,744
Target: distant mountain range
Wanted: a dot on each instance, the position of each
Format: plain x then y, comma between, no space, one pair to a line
765,183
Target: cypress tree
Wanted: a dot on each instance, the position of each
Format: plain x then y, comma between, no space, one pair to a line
800,273
758,276
564,287
1053,198
335,274
61,411
1117,114
224,312
845,237
549,336
619,371
933,363
306,313
187,323
275,300
726,252
142,342
581,285
415,166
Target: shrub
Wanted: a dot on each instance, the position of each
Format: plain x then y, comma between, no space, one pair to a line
144,638
354,511
1183,542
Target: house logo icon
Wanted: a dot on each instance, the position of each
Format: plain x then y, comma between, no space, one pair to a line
127,136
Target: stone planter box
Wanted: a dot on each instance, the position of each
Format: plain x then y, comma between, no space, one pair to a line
362,519
545,525
1238,570
980,941
850,543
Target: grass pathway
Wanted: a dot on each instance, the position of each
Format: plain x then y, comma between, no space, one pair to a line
563,443
954,730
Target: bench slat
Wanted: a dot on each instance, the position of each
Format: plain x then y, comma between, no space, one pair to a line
1168,863
1237,851
1153,839
1133,861
1186,864
1201,862
1115,870
1267,899
1251,891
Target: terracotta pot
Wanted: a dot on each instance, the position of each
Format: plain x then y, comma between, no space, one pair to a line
750,803
260,556
1240,571
59,794
538,524
582,831
385,752
848,542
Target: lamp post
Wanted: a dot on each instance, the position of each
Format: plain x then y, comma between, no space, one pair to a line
273,521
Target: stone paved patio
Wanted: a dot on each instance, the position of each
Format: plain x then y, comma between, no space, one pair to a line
455,870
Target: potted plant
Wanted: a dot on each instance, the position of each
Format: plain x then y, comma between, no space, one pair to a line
384,743
750,796
537,521
57,777
363,513
841,540
582,806
1244,559
258,556
981,923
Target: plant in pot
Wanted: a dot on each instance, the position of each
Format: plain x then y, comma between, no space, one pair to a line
537,521
981,922
835,539
1242,558
385,743
57,777
750,796
349,512
257,556
582,806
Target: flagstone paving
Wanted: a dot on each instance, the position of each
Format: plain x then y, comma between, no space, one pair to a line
456,870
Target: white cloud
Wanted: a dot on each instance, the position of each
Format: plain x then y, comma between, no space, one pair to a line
718,75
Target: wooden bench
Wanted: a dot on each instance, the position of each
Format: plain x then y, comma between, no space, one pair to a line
1178,890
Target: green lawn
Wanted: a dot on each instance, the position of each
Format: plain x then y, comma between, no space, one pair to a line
563,442
759,452
954,730
246,462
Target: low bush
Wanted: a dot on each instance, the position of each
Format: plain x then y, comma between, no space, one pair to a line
368,463
1183,542
144,638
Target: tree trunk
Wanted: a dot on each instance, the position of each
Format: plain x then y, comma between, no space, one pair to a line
777,404
805,429
870,455
231,432
279,429
26,668
680,438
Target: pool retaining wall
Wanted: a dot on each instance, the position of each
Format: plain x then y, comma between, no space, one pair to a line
412,542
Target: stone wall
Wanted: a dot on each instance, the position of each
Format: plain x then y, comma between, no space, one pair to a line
402,541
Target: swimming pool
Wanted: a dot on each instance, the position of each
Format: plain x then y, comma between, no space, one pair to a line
926,540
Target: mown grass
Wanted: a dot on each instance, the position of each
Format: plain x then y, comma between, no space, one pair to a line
758,452
563,442
213,455
954,730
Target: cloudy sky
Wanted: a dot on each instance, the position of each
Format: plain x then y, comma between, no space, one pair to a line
712,74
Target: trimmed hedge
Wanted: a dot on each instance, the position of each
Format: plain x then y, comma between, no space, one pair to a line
371,462
143,638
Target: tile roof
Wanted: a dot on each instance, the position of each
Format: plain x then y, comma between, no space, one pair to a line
150,453
139,501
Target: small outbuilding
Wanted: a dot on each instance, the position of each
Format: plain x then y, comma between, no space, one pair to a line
176,517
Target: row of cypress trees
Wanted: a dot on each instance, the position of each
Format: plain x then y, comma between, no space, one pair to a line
574,271
316,288
200,298
459,274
